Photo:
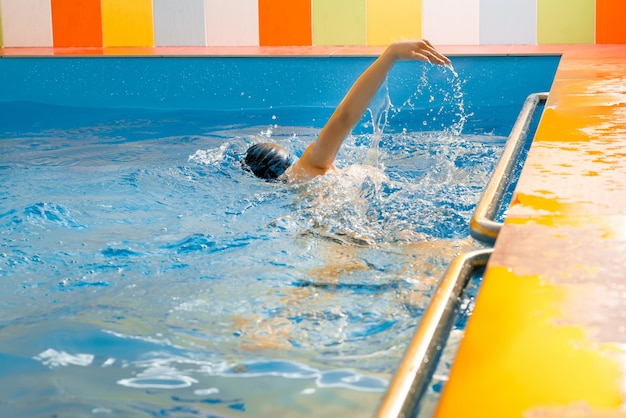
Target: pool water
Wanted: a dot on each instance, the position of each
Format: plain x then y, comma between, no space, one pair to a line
146,274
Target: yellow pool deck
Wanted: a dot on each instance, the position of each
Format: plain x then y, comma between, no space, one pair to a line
548,334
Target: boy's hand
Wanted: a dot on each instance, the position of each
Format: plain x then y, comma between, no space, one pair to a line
421,50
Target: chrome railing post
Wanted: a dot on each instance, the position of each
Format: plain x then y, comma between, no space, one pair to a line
416,369
483,225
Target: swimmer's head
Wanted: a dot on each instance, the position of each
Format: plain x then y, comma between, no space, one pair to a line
267,161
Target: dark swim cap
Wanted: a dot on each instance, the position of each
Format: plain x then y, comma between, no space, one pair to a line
267,161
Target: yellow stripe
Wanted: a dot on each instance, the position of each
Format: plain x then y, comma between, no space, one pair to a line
386,25
127,23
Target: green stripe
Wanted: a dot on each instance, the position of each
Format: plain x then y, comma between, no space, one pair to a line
566,22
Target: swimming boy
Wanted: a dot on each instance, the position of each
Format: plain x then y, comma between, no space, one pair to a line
270,161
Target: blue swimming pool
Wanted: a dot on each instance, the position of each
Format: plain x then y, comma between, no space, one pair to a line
146,274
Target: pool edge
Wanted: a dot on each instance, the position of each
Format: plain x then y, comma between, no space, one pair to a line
314,51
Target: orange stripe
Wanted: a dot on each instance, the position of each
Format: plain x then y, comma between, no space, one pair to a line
76,23
285,22
610,28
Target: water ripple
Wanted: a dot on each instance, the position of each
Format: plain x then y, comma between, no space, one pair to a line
119,253
193,243
42,213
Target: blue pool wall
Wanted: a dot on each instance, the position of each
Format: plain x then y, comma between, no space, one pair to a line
488,84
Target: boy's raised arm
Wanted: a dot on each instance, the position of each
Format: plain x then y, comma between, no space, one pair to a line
320,155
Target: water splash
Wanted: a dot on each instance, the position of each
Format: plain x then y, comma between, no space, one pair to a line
379,112
458,99
451,100
439,103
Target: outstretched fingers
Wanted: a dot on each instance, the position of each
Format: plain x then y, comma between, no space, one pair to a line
421,50
430,53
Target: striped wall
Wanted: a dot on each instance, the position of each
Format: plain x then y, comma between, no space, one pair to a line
127,23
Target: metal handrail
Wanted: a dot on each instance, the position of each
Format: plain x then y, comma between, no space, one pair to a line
418,365
483,226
